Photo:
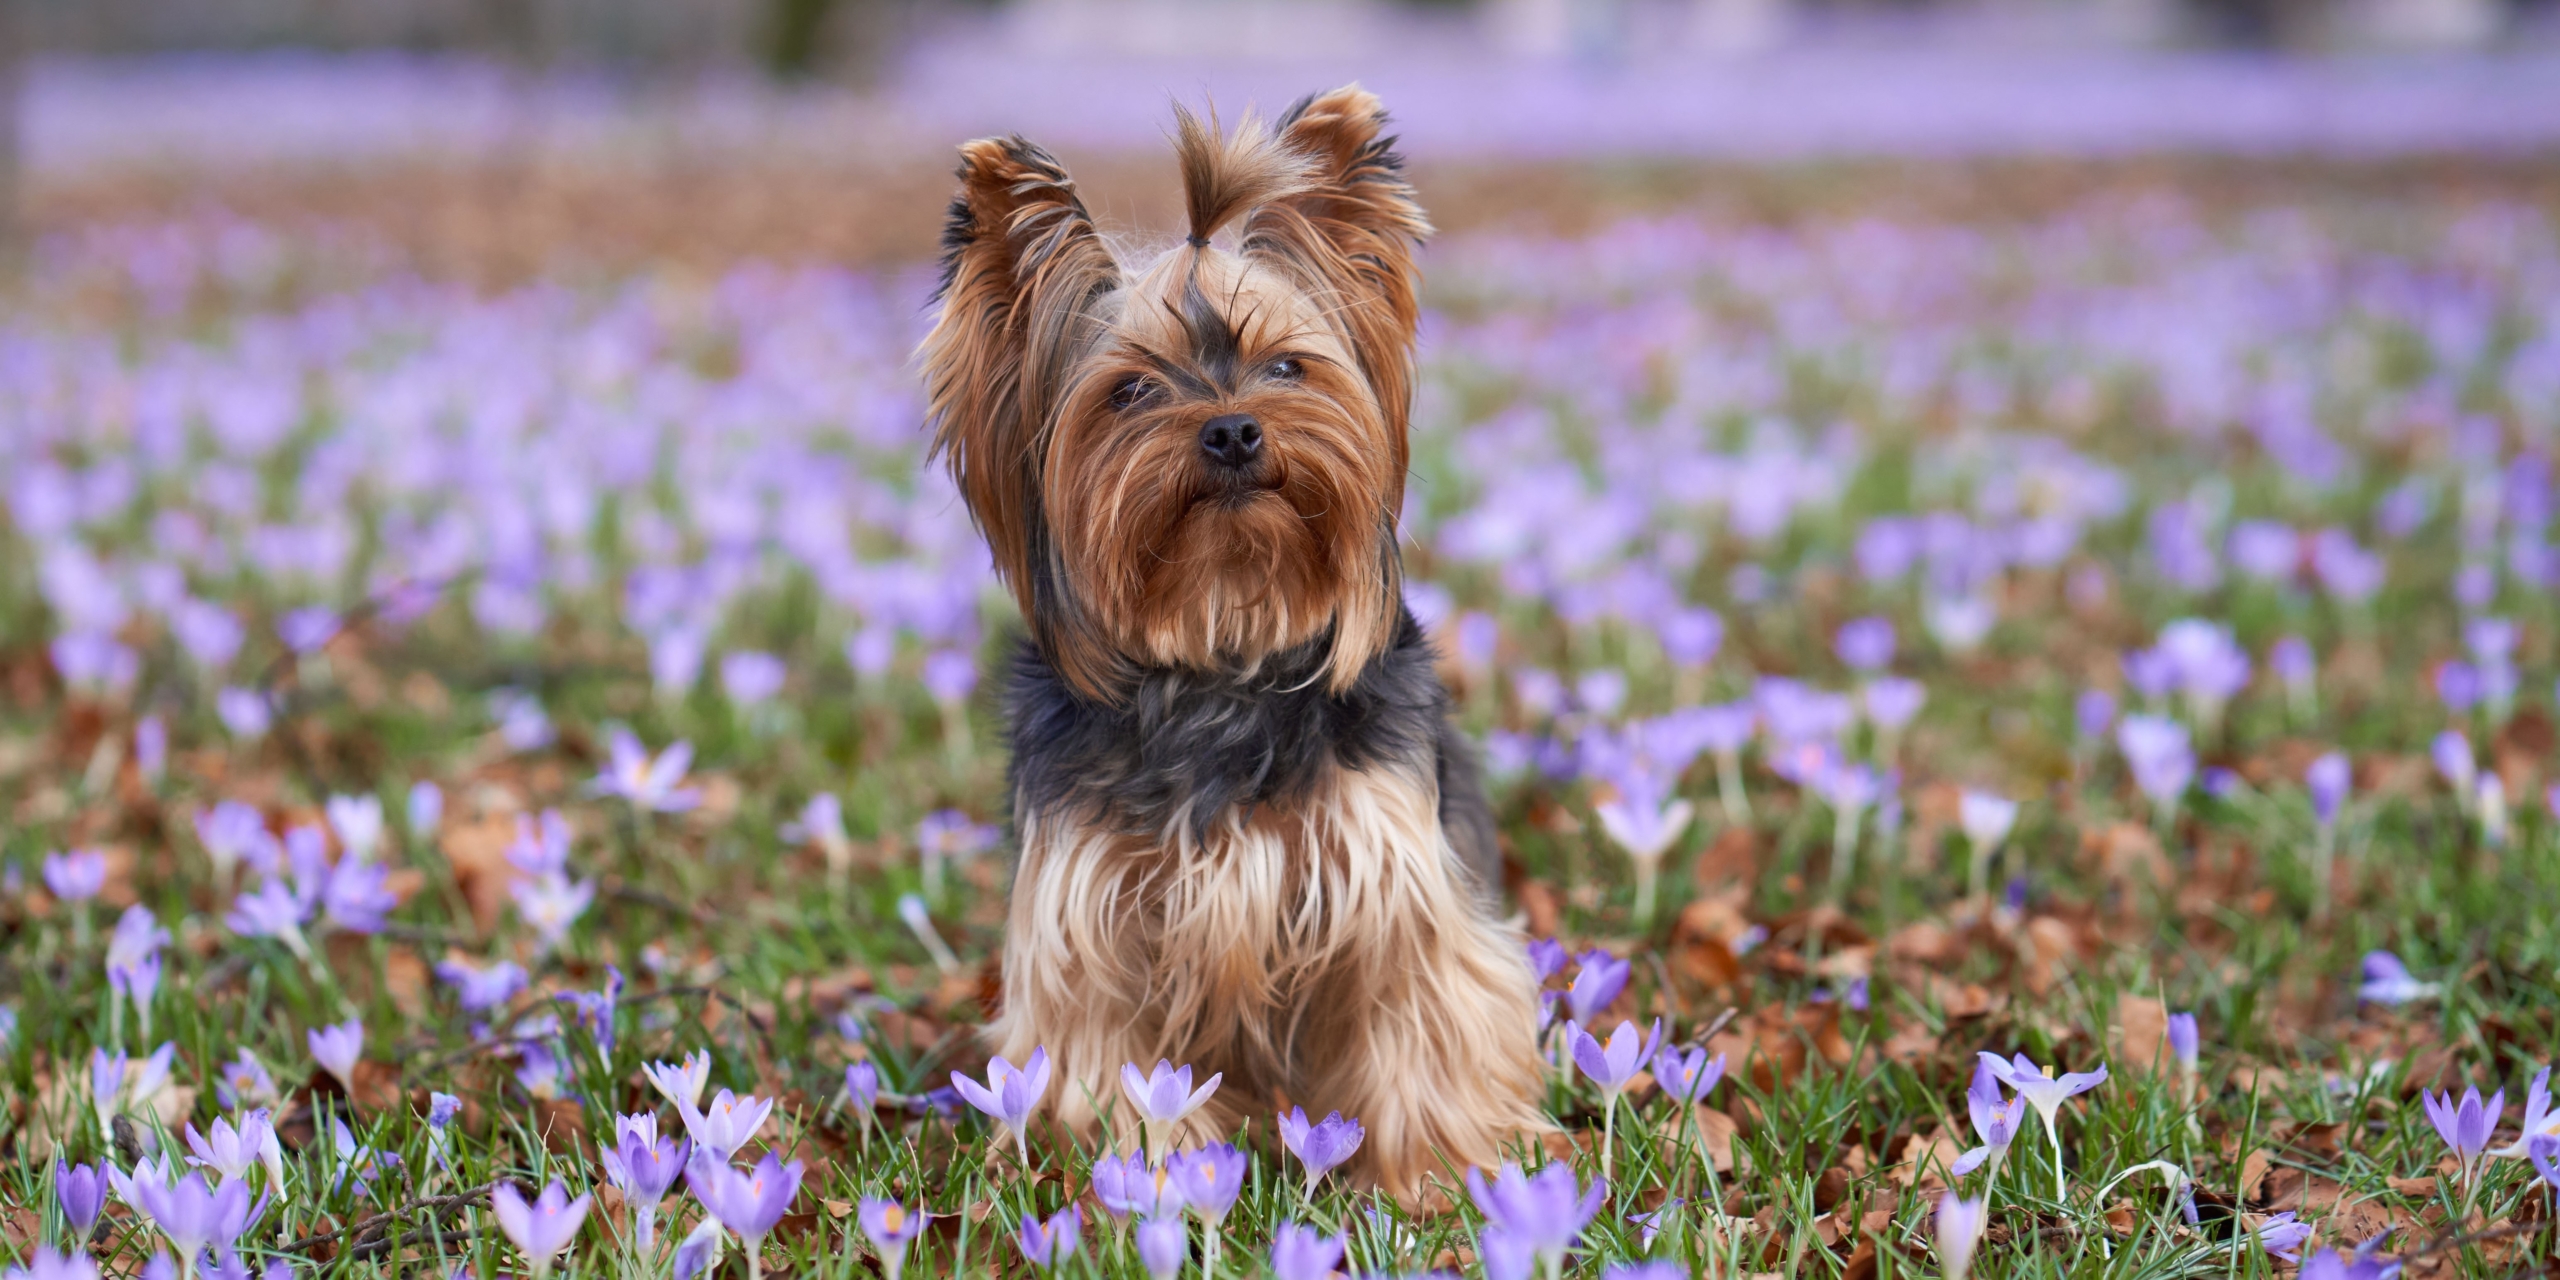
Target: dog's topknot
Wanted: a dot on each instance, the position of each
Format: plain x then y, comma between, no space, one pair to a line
1223,178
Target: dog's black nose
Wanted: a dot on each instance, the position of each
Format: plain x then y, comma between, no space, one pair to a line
1232,439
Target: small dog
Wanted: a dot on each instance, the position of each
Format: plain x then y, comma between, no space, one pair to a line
1250,838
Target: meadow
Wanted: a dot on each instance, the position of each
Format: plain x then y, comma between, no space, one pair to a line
2023,742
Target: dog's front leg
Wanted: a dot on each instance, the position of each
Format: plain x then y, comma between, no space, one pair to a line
1428,1017
1077,963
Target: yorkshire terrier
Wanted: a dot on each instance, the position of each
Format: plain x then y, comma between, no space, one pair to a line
1250,838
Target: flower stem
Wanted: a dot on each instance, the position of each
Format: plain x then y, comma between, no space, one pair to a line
1647,869
2324,852
2053,1130
1737,802
1844,851
1608,1135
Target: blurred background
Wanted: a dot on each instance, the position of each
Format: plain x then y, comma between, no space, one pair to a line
591,124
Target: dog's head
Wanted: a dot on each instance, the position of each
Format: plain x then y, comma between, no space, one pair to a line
1195,461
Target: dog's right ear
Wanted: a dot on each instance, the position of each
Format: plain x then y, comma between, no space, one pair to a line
1022,273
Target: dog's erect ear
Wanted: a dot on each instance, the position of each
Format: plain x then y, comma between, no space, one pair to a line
1022,273
1350,233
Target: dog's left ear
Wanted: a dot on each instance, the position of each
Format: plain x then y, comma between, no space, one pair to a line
1351,233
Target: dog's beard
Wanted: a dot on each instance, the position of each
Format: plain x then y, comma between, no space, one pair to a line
1238,575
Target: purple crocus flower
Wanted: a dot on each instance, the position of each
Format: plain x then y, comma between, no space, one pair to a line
2347,571
2458,687
1162,1096
337,1049
543,1228
244,1081
751,677
2544,1150
551,905
1546,957
1690,637
478,989
1208,1180
1892,702
2093,712
1865,644
644,1167
1651,1269
2389,982
307,629
1304,1253
442,1108
82,1193
2267,550
1047,1244
748,1202
1163,1244
357,896
2156,749
1476,639
2282,1235
650,784
1505,1255
1613,1063
2467,1126
889,1226
272,910
246,713
1994,1118
44,1263
1649,1225
949,675
76,876
2298,668
151,749
595,1011
2152,673
681,1083
541,845
693,1253
2183,1046
2540,1120
862,1088
1010,1095
426,809
726,1125
1959,1225
1687,1076
233,1151
1596,984
2329,779
357,1161
2453,758
193,1215
1128,1184
1542,1215
2046,1093
1320,1147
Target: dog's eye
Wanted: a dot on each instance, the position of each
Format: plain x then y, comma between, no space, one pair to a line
1286,369
1132,392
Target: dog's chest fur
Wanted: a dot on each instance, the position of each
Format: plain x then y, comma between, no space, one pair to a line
1263,830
